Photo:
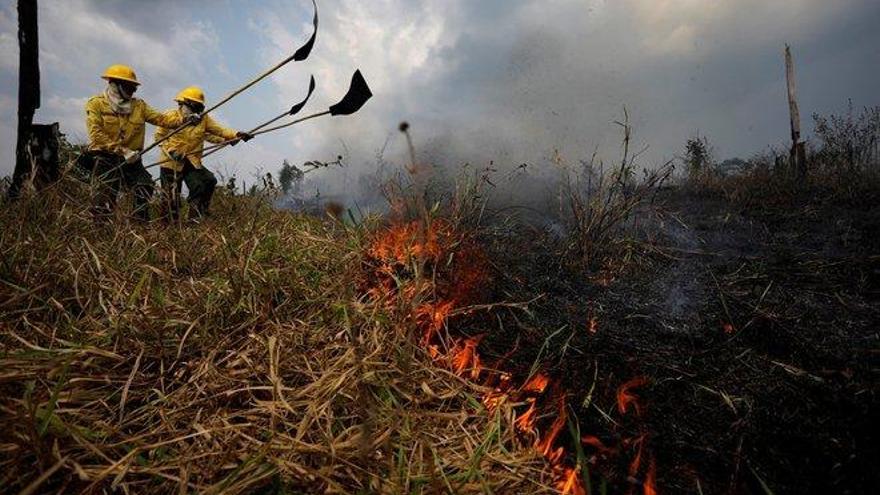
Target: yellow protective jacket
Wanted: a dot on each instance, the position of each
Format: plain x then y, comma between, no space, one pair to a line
190,141
114,133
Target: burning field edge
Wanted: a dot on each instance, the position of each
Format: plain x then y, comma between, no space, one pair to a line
230,358
667,340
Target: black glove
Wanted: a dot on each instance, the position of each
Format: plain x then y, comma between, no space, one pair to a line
131,156
244,136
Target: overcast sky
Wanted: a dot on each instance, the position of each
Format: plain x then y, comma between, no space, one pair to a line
509,80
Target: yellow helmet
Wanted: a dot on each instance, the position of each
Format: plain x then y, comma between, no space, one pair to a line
121,73
192,93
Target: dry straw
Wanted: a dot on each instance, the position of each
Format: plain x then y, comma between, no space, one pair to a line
232,357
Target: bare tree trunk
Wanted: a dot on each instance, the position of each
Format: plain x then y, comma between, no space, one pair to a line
798,151
28,90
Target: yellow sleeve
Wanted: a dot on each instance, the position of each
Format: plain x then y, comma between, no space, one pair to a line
170,118
162,131
212,128
98,139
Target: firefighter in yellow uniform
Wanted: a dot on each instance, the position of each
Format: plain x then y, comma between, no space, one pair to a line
115,122
182,156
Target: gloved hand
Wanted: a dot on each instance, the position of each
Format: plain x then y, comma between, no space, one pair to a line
131,156
193,119
244,136
176,156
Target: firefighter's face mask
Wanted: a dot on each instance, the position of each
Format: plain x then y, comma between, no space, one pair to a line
125,89
190,108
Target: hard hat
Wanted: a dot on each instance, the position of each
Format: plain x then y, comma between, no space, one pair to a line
121,73
193,94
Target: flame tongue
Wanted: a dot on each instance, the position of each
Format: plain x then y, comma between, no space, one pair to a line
413,260
437,272
650,487
526,421
536,384
571,483
403,242
466,358
626,398
545,445
637,460
596,443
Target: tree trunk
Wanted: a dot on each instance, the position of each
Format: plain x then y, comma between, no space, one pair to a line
28,91
798,150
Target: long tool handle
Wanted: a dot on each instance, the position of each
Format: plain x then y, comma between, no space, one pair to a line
224,143
210,150
293,122
217,147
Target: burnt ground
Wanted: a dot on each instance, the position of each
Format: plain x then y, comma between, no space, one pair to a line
755,328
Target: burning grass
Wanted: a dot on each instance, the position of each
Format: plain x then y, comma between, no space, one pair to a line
441,268
426,352
439,271
231,357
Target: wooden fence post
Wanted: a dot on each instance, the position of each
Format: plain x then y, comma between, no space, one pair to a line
798,154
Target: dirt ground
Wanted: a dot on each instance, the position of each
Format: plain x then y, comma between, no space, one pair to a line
755,331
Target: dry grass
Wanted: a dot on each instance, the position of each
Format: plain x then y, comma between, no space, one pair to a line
599,205
843,167
236,356
764,187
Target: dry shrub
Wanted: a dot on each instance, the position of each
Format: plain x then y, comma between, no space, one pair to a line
232,357
849,142
596,205
767,183
843,167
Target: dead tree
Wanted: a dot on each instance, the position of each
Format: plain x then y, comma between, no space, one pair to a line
28,90
798,154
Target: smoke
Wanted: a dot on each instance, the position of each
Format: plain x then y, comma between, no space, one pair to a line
504,82
499,84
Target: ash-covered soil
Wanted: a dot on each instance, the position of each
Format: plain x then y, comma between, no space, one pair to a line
755,328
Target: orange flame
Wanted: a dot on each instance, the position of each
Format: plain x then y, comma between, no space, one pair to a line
637,460
650,486
592,326
596,443
467,358
423,253
625,398
526,422
493,399
404,242
536,384
545,444
433,317
728,328
571,483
